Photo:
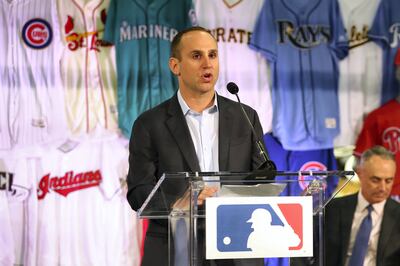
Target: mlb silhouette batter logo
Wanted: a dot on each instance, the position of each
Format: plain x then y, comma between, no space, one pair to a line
261,229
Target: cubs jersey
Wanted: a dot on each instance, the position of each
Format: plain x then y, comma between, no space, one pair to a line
386,31
18,203
313,160
360,72
238,63
382,127
88,66
142,32
303,45
31,98
83,219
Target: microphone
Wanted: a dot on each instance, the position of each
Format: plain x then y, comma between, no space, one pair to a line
268,168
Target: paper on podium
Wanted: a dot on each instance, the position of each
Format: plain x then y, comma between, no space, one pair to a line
259,190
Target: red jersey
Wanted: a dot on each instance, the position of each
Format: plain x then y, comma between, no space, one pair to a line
382,127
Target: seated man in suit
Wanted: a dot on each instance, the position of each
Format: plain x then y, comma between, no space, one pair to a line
363,229
195,130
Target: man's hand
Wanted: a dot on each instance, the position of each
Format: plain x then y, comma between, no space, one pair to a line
183,202
205,193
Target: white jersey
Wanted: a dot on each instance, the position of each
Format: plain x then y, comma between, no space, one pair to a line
360,72
18,204
83,219
31,98
88,66
232,22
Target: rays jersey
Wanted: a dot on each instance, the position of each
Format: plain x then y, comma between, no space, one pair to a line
360,72
386,31
142,32
31,96
83,219
382,127
303,45
238,63
88,66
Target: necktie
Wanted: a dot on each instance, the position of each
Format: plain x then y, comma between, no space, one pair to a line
181,243
362,239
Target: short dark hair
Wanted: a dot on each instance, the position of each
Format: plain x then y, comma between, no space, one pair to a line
175,50
378,151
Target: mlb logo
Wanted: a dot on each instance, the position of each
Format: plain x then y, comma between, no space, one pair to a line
259,227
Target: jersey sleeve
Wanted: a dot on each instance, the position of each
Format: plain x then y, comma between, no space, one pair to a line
379,32
263,36
339,43
110,27
367,137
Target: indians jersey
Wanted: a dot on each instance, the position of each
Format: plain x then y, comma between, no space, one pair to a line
142,32
313,160
238,63
360,72
31,98
88,66
386,30
303,44
382,127
18,204
80,204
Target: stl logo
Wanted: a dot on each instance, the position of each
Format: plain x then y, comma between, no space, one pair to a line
310,166
259,227
37,33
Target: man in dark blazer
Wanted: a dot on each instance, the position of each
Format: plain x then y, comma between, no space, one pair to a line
161,139
343,216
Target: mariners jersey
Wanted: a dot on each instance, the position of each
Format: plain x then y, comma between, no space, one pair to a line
31,98
303,44
360,72
83,219
238,63
314,160
88,66
382,127
142,32
386,30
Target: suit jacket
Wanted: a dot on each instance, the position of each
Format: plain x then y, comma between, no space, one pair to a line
338,220
161,142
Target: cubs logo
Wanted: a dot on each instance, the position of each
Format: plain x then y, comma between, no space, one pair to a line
37,33
391,139
309,166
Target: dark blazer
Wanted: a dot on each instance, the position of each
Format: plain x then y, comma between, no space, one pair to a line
338,220
161,142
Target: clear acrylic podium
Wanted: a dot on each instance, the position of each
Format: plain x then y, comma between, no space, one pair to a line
175,197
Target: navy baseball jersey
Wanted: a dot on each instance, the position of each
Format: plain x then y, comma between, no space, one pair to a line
386,30
142,32
304,43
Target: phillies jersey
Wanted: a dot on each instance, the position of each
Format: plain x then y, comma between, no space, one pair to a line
88,66
386,31
303,44
238,63
31,96
82,214
382,127
142,32
313,160
360,72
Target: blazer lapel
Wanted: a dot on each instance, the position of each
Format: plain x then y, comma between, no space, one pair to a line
389,221
180,131
224,135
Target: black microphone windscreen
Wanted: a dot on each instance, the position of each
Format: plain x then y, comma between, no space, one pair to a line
232,88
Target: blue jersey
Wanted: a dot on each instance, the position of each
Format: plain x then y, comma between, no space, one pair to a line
142,32
386,31
313,160
303,44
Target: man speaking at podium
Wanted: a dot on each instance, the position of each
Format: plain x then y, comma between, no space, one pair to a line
195,130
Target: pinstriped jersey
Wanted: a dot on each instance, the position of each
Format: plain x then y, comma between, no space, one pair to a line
88,66
304,42
238,63
142,32
31,96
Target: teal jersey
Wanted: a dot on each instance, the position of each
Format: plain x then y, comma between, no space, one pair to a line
142,32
